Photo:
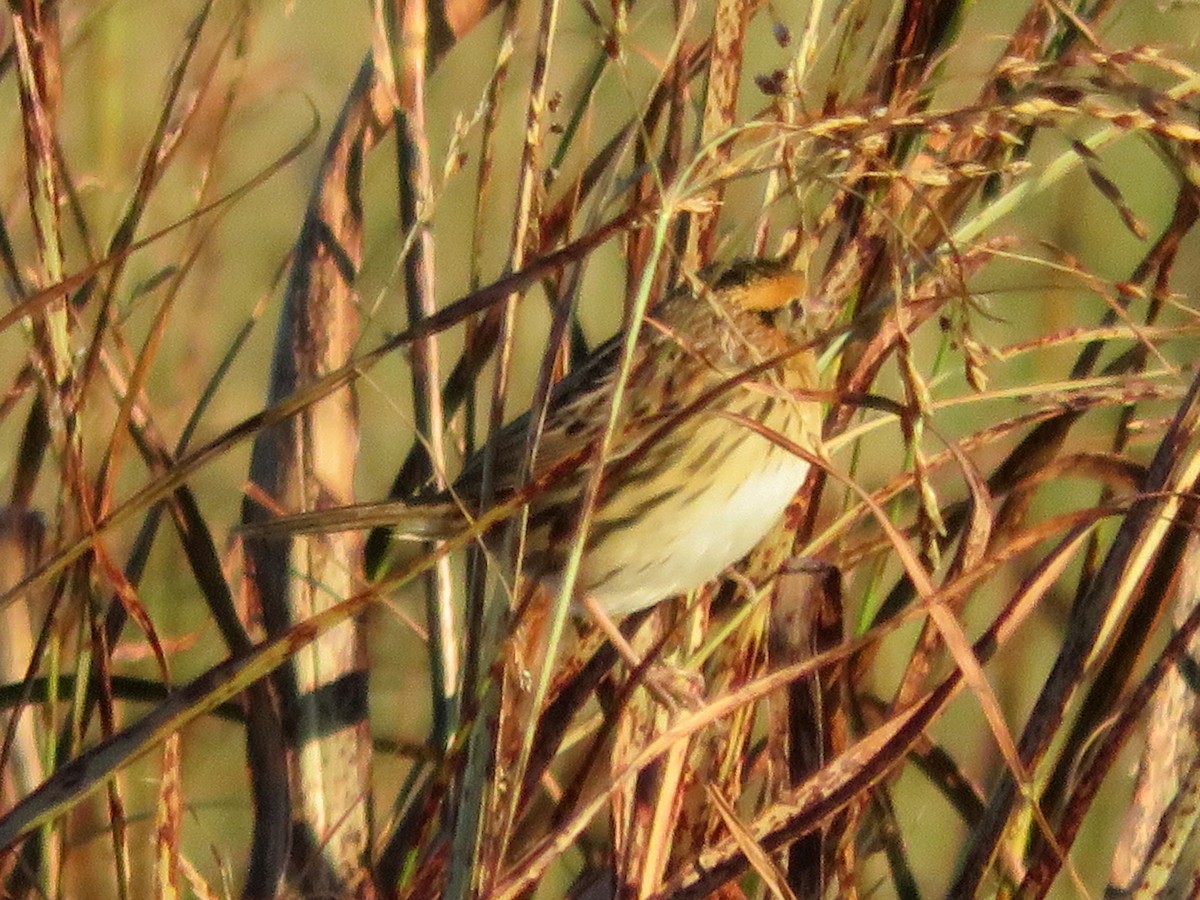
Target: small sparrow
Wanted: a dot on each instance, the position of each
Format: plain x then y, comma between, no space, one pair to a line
700,466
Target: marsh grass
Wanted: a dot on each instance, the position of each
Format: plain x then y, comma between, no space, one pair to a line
936,677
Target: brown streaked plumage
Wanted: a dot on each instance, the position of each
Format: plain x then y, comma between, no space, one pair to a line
689,487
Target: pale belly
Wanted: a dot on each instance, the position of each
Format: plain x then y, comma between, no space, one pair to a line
719,522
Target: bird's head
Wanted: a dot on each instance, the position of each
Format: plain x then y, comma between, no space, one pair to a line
775,291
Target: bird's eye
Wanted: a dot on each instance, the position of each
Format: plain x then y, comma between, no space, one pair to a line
785,317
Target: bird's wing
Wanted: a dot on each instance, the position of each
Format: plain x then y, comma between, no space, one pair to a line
579,412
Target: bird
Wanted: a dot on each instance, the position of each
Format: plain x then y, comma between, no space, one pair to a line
701,464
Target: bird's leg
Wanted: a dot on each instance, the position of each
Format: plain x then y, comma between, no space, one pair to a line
602,620
670,686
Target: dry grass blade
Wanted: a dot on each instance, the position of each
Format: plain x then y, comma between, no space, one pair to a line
720,114
169,822
1170,864
819,797
301,463
815,801
22,535
1044,867
94,768
513,739
1106,597
39,300
1167,761
774,880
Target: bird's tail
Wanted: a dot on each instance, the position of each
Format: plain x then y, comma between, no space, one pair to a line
435,520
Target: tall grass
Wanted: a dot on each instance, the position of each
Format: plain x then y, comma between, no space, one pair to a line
963,665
